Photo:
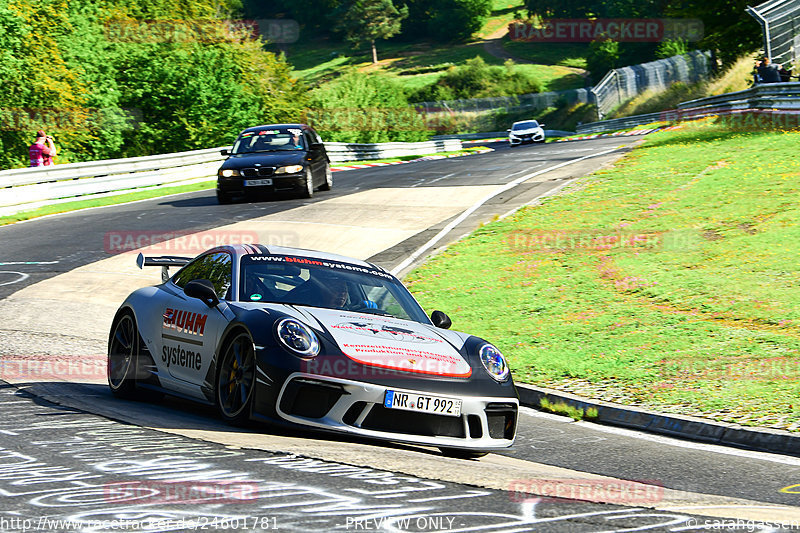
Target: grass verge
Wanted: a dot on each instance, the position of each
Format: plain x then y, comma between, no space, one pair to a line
669,281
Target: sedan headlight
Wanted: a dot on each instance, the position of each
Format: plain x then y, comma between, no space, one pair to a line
229,173
494,362
298,337
291,169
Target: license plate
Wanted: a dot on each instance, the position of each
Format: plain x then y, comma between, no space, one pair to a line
255,183
408,401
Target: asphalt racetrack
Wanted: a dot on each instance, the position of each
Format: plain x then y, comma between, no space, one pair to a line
66,445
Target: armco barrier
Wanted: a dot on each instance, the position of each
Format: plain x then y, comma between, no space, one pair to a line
775,97
28,188
339,152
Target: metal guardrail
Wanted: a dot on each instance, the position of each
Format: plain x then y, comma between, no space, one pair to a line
28,188
25,187
619,123
624,83
339,152
780,97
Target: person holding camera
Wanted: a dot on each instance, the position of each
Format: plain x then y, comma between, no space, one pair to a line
41,155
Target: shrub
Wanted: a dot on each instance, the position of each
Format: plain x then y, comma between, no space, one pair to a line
361,108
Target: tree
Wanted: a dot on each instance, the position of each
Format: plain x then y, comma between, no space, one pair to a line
367,20
457,20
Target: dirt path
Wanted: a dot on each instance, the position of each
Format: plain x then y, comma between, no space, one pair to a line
493,44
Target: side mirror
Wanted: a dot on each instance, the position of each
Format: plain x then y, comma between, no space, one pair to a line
202,289
224,151
542,125
441,320
508,130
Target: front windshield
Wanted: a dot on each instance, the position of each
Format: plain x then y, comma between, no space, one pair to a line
269,140
530,124
328,284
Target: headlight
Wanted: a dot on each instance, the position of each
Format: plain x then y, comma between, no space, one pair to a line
298,337
494,362
512,136
229,172
292,169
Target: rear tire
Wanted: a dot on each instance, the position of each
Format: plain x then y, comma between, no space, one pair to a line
123,350
328,179
236,379
308,184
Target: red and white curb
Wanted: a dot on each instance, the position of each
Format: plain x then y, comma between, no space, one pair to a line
426,158
615,134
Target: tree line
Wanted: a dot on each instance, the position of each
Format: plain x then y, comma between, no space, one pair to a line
125,78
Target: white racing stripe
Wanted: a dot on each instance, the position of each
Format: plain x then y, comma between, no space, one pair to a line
510,185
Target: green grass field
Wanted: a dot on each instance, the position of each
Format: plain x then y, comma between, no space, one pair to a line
668,281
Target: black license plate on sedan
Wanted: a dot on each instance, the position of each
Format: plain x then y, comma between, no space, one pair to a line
256,183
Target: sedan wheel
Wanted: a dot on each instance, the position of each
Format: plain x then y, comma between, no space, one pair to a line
236,380
328,179
123,347
308,190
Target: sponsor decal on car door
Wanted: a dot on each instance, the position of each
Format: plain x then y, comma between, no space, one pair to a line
189,332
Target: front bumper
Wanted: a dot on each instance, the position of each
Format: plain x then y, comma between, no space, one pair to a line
356,407
234,186
521,139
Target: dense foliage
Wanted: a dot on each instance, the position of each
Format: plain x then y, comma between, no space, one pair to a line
476,79
442,20
728,29
364,109
115,79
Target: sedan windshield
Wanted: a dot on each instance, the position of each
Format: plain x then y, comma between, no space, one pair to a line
528,125
328,284
269,140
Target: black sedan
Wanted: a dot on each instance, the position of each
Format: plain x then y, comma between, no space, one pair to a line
273,158
316,340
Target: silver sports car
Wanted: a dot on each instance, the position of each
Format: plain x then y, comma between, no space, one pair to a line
313,339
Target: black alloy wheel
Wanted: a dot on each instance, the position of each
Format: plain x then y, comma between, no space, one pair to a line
123,348
236,379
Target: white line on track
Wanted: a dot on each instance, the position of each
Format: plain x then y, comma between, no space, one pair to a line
29,263
22,277
423,182
510,185
671,441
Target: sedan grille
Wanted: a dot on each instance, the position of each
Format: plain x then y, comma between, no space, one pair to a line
260,172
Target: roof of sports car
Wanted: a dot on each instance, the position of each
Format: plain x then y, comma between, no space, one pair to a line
260,249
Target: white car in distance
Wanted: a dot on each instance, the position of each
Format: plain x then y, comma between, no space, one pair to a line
525,131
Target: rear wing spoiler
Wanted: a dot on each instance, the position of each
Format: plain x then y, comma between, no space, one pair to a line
164,261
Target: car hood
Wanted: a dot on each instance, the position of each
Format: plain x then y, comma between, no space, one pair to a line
264,159
392,343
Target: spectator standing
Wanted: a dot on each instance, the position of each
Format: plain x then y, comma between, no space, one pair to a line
769,72
41,155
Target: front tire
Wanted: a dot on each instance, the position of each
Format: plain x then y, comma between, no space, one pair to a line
236,380
223,198
328,185
308,184
123,350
